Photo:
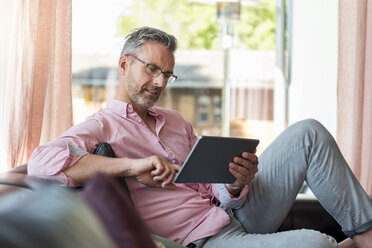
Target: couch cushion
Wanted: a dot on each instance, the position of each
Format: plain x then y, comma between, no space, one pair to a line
49,216
116,212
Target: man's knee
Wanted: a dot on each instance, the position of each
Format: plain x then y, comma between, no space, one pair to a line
309,124
313,129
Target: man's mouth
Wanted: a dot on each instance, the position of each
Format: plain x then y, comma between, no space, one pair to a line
153,92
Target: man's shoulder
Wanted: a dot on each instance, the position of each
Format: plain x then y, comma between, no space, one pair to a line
98,118
99,115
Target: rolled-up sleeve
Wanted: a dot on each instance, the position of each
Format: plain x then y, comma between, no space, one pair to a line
51,159
229,201
48,161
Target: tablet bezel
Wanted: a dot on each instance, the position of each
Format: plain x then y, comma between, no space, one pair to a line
213,154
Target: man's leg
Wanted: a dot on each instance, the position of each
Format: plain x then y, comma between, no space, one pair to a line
304,151
234,236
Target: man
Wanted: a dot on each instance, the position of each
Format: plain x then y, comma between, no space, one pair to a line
151,143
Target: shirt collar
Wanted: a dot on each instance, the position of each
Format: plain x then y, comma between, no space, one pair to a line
152,111
123,108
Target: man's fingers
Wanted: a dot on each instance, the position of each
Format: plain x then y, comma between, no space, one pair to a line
243,174
161,173
244,163
241,178
168,183
169,179
242,170
163,176
177,167
251,157
160,166
167,174
171,186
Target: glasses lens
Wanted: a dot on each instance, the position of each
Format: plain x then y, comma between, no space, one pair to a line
171,79
153,70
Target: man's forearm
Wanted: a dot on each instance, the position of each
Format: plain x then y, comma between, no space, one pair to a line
90,164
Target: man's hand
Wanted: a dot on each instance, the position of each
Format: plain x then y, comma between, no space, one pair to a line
243,169
154,171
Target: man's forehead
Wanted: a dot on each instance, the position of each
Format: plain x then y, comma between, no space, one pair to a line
149,48
157,54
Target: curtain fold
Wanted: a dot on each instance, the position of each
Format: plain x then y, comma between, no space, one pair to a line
35,68
354,97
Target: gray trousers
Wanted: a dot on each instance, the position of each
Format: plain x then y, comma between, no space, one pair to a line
303,152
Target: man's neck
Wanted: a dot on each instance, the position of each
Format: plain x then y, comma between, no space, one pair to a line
142,112
148,119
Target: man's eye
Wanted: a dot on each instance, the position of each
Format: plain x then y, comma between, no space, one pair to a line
167,74
153,68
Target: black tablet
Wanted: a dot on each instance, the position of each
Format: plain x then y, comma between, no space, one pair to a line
208,161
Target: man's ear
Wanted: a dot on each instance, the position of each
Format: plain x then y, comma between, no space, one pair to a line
123,64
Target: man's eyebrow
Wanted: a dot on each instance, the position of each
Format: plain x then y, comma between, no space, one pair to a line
171,72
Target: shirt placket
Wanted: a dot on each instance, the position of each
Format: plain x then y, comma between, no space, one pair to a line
171,156
132,115
135,117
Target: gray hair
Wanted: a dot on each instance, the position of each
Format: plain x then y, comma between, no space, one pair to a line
136,38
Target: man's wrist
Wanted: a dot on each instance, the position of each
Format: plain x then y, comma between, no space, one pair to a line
125,167
234,187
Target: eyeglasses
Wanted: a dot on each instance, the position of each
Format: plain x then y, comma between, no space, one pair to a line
155,71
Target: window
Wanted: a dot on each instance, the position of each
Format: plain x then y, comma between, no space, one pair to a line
204,108
200,62
217,109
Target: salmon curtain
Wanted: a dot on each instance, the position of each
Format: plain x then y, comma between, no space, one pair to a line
355,87
35,76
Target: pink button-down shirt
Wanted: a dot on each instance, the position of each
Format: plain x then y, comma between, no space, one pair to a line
183,215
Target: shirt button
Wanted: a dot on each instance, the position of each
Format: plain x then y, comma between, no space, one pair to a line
139,120
130,108
173,161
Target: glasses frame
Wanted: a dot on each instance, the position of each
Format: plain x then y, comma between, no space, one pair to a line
169,76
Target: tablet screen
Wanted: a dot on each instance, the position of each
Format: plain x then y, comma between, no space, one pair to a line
208,161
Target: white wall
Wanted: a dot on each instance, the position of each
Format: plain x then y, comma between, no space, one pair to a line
313,91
